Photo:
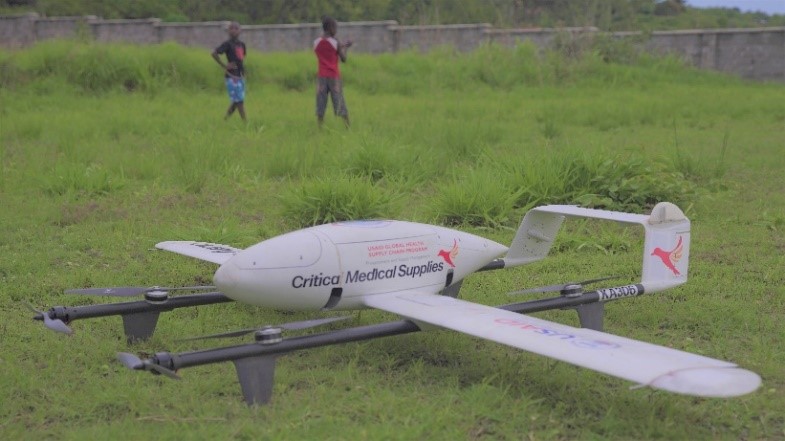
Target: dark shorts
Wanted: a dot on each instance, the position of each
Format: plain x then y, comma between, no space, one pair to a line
334,88
236,89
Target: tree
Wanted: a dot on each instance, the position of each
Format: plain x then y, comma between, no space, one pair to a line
670,7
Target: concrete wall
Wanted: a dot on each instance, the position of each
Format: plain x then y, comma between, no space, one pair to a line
541,37
207,34
510,37
757,54
288,38
368,36
62,27
17,30
463,37
127,31
751,53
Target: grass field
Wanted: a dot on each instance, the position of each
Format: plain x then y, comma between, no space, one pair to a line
106,150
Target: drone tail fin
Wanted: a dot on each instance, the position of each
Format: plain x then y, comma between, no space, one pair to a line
666,242
666,250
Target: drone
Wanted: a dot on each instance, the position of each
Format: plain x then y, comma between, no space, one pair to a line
415,271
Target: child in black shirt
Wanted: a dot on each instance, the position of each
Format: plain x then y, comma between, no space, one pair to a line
234,49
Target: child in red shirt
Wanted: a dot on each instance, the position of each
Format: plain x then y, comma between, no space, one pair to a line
328,51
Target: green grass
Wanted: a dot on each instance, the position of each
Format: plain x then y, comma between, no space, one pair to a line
93,174
334,199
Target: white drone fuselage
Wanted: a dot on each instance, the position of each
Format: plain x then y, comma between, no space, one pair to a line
302,270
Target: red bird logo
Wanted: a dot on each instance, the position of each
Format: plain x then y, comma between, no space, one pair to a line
448,256
669,258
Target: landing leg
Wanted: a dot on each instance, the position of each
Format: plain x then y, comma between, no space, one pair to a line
591,315
139,326
453,290
256,378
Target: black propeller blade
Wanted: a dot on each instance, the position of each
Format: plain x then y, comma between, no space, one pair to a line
56,325
130,291
291,326
133,362
562,286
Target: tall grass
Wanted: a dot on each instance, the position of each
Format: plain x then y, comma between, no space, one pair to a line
81,182
498,193
477,198
320,201
696,168
103,67
97,67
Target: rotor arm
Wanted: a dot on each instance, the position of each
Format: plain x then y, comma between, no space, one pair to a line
136,309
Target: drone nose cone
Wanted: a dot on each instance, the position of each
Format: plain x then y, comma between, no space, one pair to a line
225,279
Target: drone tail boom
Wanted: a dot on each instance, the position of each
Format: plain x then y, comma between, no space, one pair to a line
666,243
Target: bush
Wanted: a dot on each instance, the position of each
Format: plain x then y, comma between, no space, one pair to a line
99,68
475,199
320,201
81,182
609,181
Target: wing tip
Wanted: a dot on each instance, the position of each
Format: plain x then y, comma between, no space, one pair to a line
711,382
163,245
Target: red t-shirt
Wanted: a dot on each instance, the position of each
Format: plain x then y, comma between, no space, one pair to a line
326,50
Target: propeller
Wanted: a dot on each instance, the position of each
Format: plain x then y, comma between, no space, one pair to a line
130,291
291,326
56,325
562,286
133,362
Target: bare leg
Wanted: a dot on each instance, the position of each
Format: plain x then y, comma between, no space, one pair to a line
230,110
241,108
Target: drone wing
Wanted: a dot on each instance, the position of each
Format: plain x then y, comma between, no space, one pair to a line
210,252
644,363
